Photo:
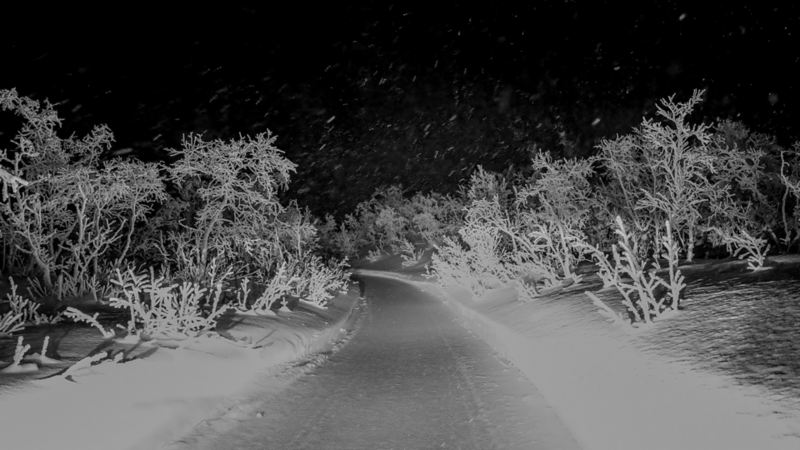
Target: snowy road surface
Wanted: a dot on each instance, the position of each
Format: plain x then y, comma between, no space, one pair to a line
411,378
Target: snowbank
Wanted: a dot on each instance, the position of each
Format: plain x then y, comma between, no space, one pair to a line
146,401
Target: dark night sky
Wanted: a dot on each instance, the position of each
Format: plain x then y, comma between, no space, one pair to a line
153,73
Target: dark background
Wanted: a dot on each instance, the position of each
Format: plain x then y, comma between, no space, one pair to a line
416,93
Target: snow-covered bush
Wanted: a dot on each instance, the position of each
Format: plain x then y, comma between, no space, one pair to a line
479,255
76,214
554,206
237,227
645,295
29,310
275,289
310,279
744,245
742,211
161,310
754,176
22,312
660,173
530,233
337,238
523,246
433,216
538,225
389,219
411,254
234,209
389,225
476,260
316,281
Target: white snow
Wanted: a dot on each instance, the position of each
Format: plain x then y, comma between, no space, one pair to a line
144,403
612,395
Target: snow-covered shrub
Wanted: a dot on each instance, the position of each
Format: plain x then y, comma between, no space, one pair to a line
475,261
645,295
317,281
523,246
755,173
310,279
27,309
235,210
161,310
298,235
22,312
76,214
388,220
744,245
742,210
536,227
554,206
529,233
239,228
660,173
274,289
433,216
389,225
337,238
478,256
411,254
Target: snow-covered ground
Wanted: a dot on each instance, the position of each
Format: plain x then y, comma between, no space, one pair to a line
677,385
723,374
153,394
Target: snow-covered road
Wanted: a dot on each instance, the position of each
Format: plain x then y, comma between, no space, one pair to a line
410,378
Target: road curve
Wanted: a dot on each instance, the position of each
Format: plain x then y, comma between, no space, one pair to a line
410,378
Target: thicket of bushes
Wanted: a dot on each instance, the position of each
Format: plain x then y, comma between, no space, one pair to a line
646,199
209,228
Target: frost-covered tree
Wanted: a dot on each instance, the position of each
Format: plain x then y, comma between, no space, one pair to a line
662,172
533,231
236,206
75,214
555,206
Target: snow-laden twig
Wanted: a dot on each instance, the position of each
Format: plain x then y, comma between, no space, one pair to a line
20,350
17,366
10,323
78,316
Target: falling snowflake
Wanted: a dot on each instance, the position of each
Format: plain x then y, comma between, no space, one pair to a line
773,98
